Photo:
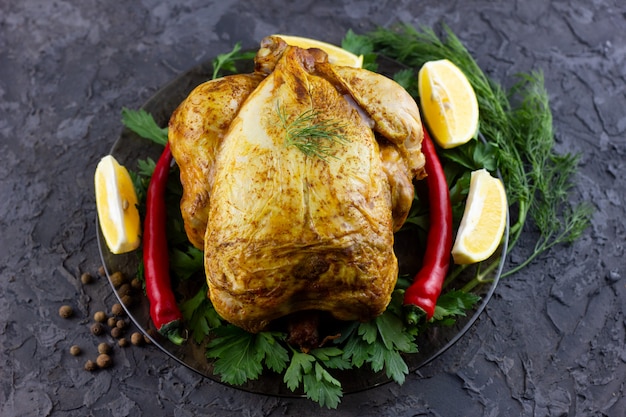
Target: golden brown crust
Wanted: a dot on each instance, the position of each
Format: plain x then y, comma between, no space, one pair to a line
283,232
196,129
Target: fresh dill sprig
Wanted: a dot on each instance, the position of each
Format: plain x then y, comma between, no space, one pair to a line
537,179
312,135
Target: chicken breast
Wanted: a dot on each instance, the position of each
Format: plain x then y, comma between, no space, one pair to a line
299,199
196,130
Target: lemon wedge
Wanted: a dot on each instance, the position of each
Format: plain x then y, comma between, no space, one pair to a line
448,103
484,219
336,55
116,203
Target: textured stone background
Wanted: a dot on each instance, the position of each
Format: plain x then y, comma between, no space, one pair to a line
552,340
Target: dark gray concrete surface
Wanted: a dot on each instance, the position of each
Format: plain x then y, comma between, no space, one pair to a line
550,343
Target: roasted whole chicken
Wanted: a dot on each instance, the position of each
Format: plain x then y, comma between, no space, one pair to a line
295,178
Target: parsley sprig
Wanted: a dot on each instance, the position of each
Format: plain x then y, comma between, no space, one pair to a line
227,61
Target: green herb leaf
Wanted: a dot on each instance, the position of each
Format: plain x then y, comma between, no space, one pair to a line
391,332
146,167
395,366
332,357
199,314
473,155
300,364
453,304
360,45
238,359
276,356
142,123
379,344
322,388
186,263
241,355
310,134
357,44
318,384
226,61
408,80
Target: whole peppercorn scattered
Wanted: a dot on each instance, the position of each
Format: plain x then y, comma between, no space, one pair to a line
90,366
86,278
100,316
104,348
97,329
101,271
66,311
117,309
136,284
111,321
116,332
75,350
146,339
136,339
103,360
121,324
123,342
117,279
124,289
127,300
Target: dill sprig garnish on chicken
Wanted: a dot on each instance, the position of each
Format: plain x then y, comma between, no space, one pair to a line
312,135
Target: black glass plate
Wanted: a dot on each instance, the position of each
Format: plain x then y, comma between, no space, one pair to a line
432,343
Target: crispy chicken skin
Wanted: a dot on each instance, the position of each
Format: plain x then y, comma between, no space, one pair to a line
284,232
196,130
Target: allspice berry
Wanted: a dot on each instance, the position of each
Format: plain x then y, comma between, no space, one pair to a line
90,366
127,300
104,361
121,324
124,289
86,278
111,321
97,329
117,279
104,348
116,332
123,342
136,284
136,339
101,271
75,350
117,309
66,311
100,316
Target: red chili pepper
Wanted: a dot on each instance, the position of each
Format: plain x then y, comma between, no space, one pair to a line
426,287
163,308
